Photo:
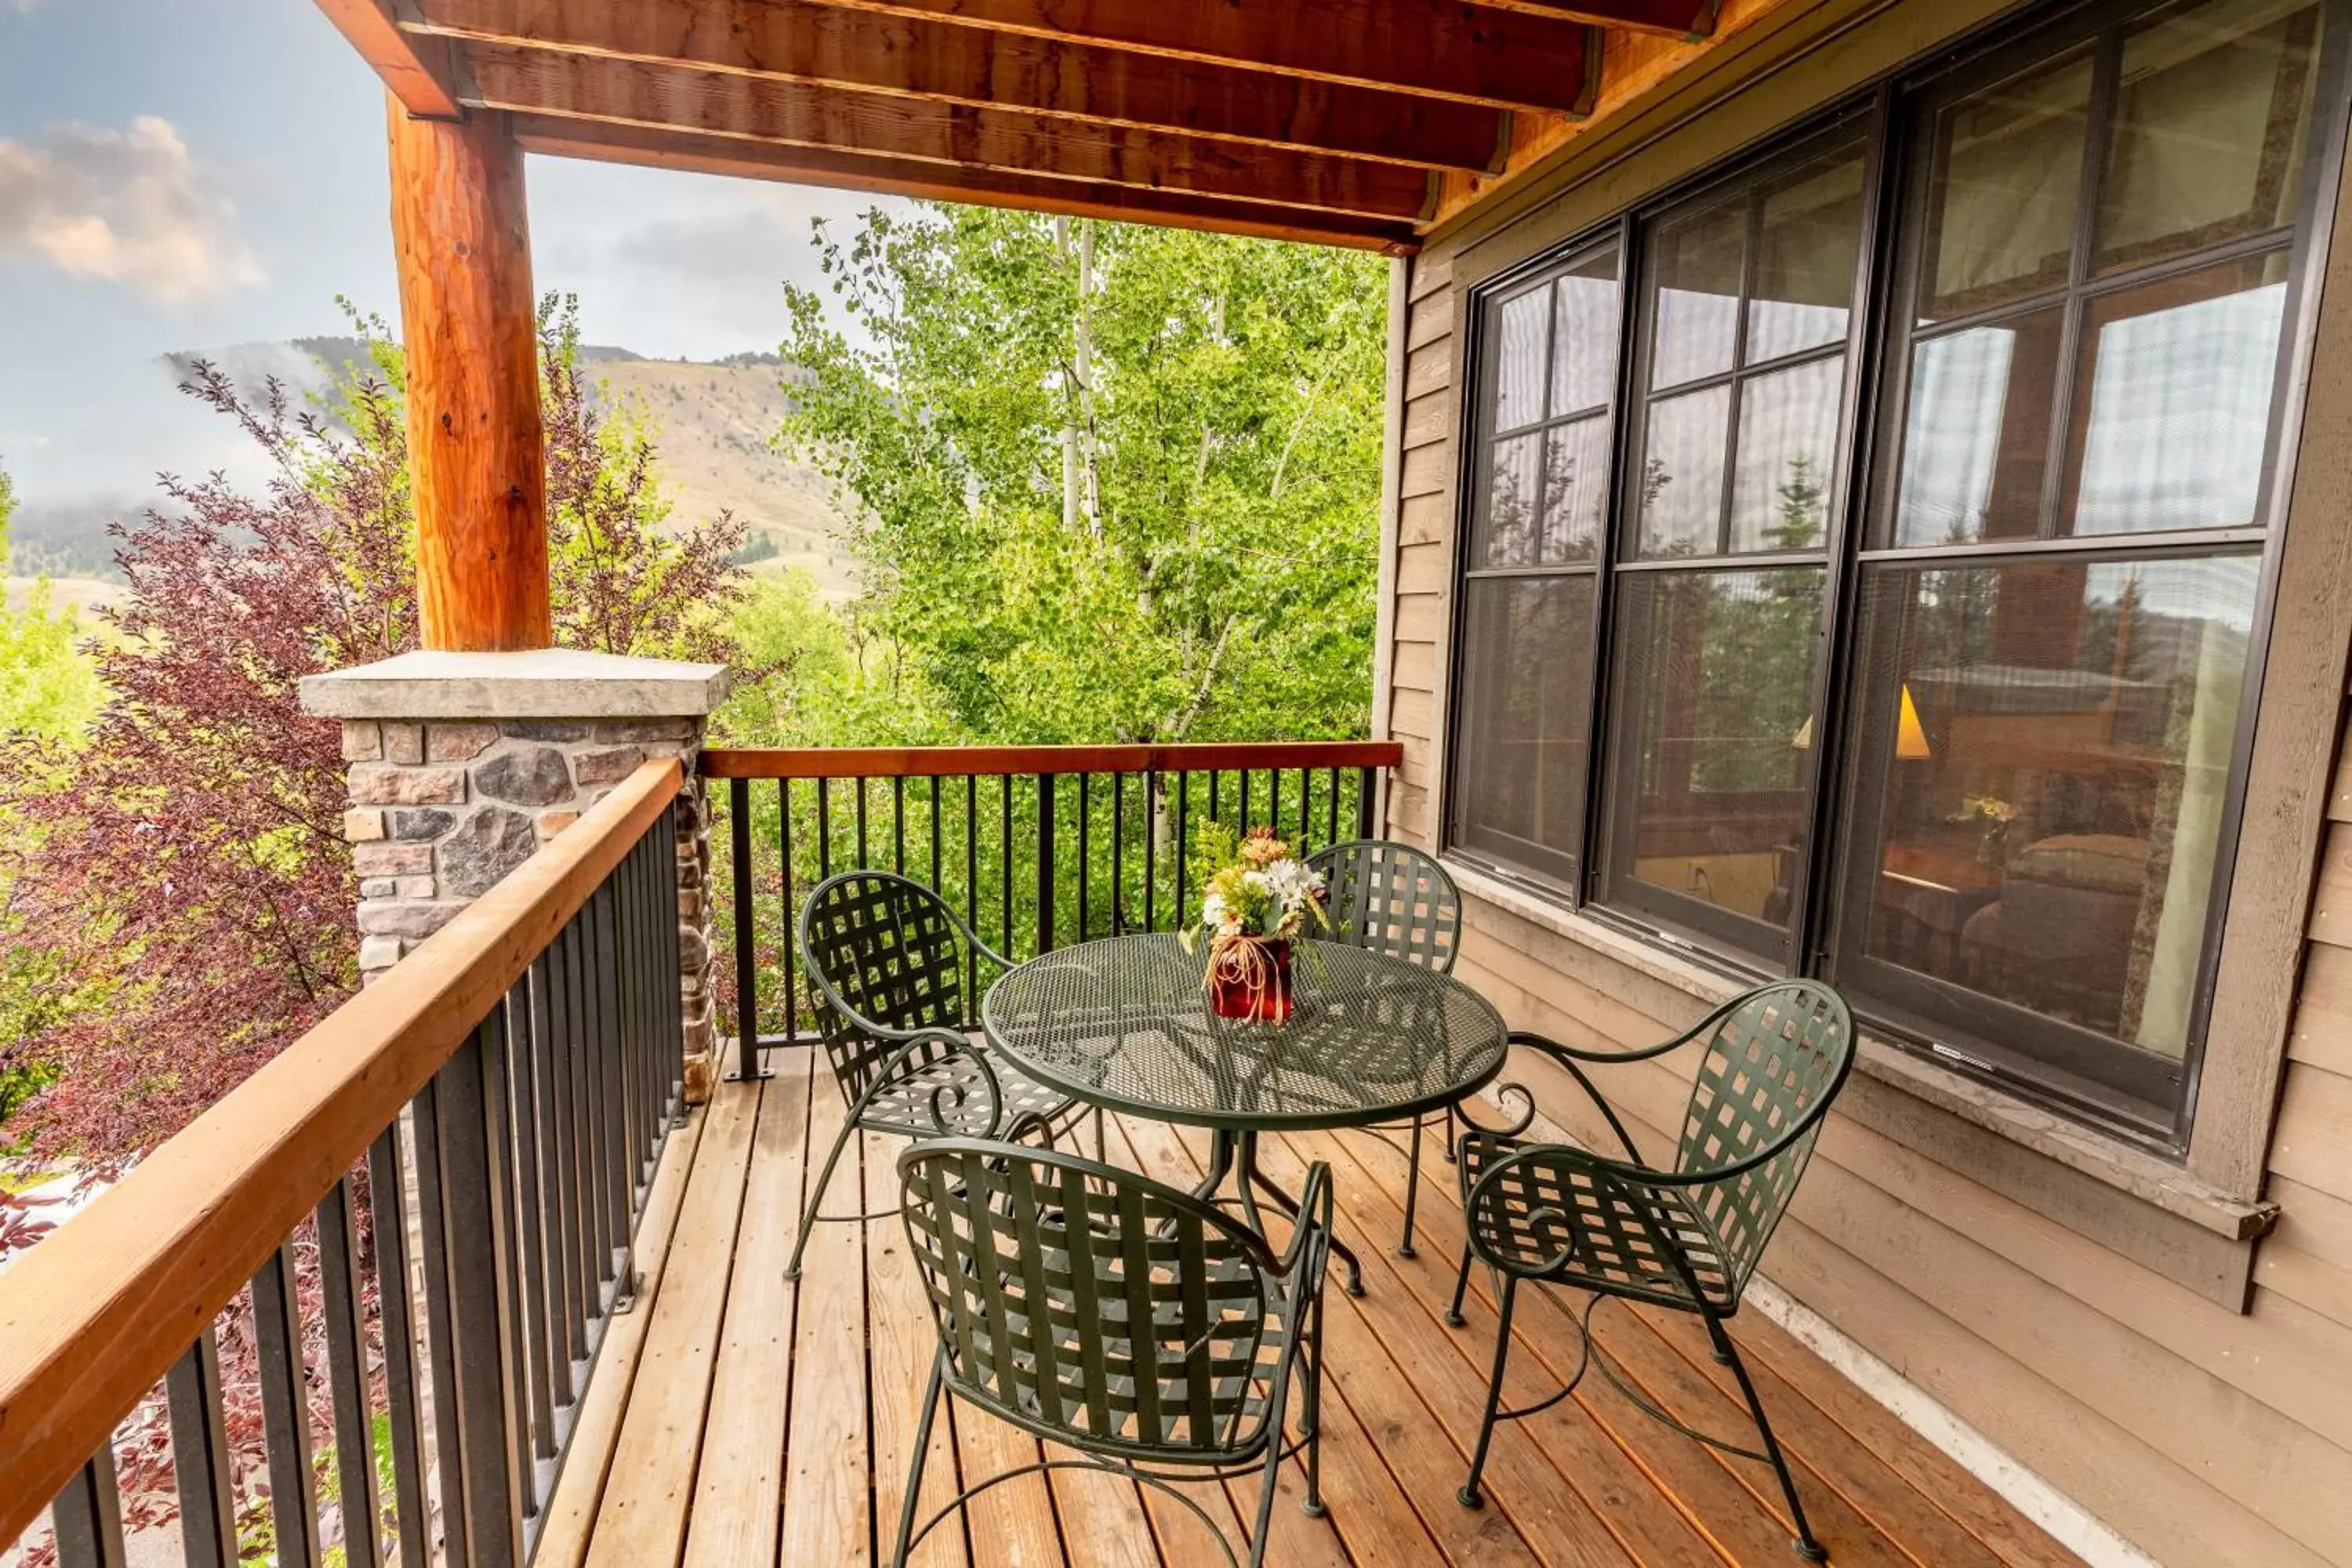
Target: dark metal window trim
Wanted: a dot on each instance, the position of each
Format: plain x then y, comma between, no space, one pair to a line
1553,868
2007,46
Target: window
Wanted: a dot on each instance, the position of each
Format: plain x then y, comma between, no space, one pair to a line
1900,628
1541,502
1748,312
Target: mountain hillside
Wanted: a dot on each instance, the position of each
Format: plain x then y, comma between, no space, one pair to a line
713,425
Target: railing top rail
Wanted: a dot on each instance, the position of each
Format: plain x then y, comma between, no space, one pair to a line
944,761
92,1317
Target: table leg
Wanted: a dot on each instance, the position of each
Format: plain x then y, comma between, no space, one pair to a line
1253,1176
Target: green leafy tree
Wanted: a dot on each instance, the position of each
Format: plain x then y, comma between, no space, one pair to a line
48,685
1109,483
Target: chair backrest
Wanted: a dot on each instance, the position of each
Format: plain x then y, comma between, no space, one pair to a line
1394,898
1775,1056
1093,1306
878,949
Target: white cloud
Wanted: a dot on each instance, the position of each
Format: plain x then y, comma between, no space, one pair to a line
125,206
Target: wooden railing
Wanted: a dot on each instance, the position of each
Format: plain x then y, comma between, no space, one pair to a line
1034,846
513,1080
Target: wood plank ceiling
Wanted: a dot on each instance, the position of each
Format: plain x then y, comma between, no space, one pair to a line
1345,121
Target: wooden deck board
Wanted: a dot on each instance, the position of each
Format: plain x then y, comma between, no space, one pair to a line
767,1426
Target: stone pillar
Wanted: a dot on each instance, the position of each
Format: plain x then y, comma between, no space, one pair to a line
461,765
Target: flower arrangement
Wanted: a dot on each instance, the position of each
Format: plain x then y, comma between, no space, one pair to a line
1257,901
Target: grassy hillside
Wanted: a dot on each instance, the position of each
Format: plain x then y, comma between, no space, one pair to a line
714,423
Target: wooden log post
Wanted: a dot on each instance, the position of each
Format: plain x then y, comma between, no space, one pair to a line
476,458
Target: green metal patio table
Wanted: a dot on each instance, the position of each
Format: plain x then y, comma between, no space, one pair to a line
1124,1023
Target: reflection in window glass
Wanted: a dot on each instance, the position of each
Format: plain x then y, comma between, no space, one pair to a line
1584,331
1976,436
2179,403
1519,368
2046,752
1694,267
1787,444
2212,124
2006,179
1682,473
1576,490
1526,665
1717,670
1510,533
1805,261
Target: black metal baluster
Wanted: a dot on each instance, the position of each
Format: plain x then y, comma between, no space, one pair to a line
89,1516
1241,816
747,979
1364,801
589,1124
939,882
441,1348
863,858
1085,872
605,1023
388,1216
347,1378
1117,853
542,1369
791,939
284,1409
563,1171
673,965
824,828
1150,850
1274,799
898,824
1044,863
1004,858
473,1160
1332,806
1180,851
202,1464
1214,781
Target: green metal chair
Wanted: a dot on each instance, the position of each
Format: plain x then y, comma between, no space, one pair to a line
1685,1236
1118,1317
889,966
1394,898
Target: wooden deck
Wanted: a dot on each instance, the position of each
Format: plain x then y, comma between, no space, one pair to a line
741,1422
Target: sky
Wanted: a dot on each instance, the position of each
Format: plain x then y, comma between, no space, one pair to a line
200,175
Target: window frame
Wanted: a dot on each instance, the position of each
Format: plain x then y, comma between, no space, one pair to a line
1614,782
1894,112
1541,864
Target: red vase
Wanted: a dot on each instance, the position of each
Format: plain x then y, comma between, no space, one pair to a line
1252,986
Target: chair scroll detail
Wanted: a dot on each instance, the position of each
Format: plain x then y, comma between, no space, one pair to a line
889,968
1686,1235
1395,899
1135,1325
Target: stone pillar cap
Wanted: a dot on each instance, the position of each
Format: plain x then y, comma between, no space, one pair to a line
540,683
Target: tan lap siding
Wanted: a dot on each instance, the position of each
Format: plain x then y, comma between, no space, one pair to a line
2205,1435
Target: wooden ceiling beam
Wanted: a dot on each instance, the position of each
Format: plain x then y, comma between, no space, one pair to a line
1450,48
905,176
626,92
917,56
1667,18
417,70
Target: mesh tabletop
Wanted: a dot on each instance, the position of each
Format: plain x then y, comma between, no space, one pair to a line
1125,1023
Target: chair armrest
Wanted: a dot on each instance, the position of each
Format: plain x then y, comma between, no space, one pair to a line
901,1065
1561,1051
1315,1220
1622,1197
1569,1060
